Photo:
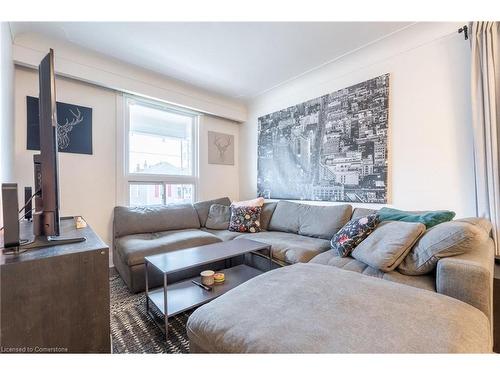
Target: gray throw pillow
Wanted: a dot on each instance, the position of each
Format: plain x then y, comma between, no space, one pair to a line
444,240
203,207
386,247
218,217
266,214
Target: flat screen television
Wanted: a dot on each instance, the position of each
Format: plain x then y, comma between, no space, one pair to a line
46,220
46,168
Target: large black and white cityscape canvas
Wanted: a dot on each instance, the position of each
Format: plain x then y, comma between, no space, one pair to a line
332,148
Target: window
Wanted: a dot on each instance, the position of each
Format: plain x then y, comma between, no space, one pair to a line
161,153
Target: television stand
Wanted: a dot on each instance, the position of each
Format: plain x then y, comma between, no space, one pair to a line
56,299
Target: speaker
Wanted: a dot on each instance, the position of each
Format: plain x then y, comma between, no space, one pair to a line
10,215
27,202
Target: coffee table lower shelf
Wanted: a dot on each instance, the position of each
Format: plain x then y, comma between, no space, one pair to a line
185,295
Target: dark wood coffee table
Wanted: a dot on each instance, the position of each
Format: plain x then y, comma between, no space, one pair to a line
175,298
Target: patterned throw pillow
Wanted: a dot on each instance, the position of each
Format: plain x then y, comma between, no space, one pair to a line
351,234
245,219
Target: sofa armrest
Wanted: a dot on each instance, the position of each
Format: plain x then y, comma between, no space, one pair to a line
469,277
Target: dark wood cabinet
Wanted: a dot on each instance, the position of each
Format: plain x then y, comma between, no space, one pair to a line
56,299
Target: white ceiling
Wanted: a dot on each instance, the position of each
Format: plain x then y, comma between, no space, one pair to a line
239,60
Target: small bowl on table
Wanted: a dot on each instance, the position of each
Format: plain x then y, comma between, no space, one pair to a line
207,277
219,278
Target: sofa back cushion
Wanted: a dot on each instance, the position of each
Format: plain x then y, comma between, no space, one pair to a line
359,212
309,220
149,219
286,217
203,207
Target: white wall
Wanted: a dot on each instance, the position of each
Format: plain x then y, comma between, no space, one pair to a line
82,64
430,139
217,180
88,183
6,108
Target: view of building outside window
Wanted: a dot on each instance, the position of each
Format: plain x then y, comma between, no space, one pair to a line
160,143
151,194
146,194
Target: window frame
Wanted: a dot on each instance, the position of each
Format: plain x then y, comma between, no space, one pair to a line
131,178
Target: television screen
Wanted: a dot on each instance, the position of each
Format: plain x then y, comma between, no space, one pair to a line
46,218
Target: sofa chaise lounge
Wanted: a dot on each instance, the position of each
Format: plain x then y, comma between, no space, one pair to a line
336,304
316,308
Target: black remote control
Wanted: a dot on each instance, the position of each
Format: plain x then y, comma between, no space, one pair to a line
207,288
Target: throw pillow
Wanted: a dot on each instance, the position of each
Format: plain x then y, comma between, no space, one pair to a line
257,202
266,214
245,219
444,240
218,217
388,244
429,219
351,234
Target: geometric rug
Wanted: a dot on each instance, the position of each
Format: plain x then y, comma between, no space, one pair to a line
133,331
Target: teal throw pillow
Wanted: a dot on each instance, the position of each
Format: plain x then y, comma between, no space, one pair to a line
429,218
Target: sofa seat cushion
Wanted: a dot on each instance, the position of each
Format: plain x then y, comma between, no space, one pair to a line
223,234
363,315
331,258
134,248
289,247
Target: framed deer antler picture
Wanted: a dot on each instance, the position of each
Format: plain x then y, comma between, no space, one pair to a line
74,127
220,148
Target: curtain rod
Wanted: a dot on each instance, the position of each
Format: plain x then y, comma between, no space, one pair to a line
464,29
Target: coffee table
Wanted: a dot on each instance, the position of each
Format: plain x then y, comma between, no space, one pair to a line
175,298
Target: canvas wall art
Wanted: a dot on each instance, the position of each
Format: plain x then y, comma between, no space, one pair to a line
220,148
74,127
332,148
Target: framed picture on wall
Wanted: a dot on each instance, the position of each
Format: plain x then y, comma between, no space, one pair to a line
330,148
220,148
74,127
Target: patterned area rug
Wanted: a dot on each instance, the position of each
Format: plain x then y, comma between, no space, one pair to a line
133,331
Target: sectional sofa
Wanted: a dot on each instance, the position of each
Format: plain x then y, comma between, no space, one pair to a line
296,232
334,304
